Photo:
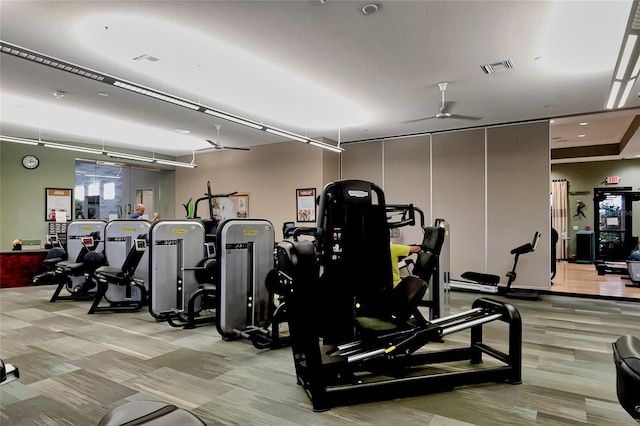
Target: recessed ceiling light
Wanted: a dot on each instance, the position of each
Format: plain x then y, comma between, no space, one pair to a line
182,131
581,136
105,94
370,8
58,94
584,123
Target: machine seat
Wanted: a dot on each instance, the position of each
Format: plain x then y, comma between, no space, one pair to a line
154,413
481,278
403,304
70,268
626,355
112,274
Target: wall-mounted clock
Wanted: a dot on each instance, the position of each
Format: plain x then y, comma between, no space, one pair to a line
30,162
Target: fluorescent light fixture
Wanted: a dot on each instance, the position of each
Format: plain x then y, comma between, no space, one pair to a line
113,154
584,123
629,44
626,92
130,156
233,118
325,146
286,134
18,140
72,148
176,163
155,94
40,58
614,94
629,56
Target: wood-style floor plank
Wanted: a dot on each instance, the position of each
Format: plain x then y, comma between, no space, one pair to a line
76,367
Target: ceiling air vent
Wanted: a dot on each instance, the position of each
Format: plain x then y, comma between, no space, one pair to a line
147,57
498,67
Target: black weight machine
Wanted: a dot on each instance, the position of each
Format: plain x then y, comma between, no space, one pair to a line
354,336
122,276
87,261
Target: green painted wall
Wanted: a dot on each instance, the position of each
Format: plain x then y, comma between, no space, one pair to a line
586,177
22,191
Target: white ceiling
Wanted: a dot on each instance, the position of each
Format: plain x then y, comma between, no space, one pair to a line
314,68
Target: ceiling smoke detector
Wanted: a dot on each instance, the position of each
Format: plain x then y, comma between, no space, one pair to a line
370,8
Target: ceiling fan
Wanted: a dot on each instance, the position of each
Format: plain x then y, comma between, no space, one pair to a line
443,113
217,145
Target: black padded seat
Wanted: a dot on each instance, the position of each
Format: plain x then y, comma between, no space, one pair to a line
403,304
481,278
70,268
154,413
626,355
113,274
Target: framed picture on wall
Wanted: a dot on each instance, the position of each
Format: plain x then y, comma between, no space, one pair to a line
58,204
234,206
306,205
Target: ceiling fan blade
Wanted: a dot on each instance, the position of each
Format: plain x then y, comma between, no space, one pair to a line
418,119
466,117
235,147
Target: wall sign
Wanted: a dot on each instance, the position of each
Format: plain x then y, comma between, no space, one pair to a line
58,204
306,205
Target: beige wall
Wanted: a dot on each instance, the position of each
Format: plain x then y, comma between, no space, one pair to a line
270,174
363,161
459,196
491,185
518,200
407,180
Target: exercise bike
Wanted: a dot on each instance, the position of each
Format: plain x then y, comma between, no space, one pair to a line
489,282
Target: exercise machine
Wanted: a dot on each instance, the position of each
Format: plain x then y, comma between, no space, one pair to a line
182,273
118,285
626,356
437,242
53,257
354,336
246,304
633,268
121,280
488,283
86,247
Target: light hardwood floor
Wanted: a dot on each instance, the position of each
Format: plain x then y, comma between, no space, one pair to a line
583,279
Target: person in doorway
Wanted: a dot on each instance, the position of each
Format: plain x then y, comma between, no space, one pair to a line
399,251
139,211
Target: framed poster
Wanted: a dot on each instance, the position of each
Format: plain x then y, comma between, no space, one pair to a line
235,206
306,204
57,204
